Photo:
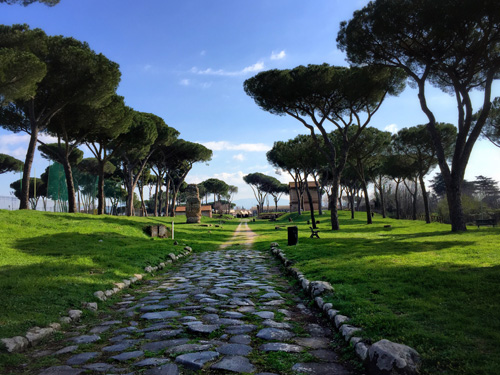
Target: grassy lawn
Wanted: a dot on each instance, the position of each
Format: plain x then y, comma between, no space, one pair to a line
413,283
52,262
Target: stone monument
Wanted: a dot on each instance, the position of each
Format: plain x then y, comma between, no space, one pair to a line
193,204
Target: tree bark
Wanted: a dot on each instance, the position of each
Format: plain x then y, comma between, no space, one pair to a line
101,200
426,199
30,155
454,198
69,184
158,182
334,215
311,205
367,204
396,198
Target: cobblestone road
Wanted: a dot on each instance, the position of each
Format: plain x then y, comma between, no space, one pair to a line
229,311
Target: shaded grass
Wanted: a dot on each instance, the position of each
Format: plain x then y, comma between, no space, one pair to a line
51,262
413,283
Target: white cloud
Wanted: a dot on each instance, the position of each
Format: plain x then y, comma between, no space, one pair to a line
393,128
203,53
258,66
278,55
16,145
239,157
228,146
185,82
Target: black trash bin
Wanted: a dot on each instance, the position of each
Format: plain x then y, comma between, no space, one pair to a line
293,236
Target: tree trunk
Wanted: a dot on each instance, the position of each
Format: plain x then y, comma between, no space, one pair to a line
426,199
28,162
167,193
351,200
414,203
454,198
297,191
340,199
100,191
158,182
334,215
396,198
70,185
367,204
130,192
311,206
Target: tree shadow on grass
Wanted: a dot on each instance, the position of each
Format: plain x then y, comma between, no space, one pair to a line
36,294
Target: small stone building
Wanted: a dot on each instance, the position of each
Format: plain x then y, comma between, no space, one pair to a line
294,200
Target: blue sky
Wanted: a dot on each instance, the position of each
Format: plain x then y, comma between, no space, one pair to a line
186,61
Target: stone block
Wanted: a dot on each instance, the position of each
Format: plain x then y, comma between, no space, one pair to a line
75,314
317,288
15,344
340,319
100,295
37,334
389,358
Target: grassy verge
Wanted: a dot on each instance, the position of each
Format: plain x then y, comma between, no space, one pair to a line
413,283
52,262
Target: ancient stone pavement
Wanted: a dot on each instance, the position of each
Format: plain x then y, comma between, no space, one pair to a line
222,312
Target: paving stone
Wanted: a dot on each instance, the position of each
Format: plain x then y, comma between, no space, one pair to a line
167,369
273,324
148,362
162,335
203,328
238,330
160,315
264,314
156,346
271,295
99,367
120,346
127,355
234,349
189,348
196,361
313,342
86,339
241,339
235,364
280,347
233,315
274,334
80,359
67,349
119,338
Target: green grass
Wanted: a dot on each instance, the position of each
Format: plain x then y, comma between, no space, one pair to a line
51,262
414,283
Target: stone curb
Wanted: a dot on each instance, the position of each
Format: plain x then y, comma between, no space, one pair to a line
383,357
36,334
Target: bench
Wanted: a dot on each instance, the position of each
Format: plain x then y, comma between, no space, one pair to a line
314,233
482,222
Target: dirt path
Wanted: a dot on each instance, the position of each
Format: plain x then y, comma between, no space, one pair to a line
243,236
